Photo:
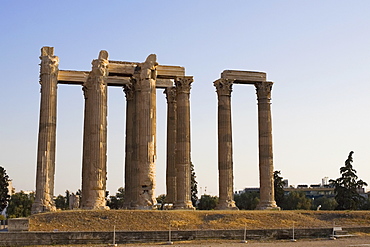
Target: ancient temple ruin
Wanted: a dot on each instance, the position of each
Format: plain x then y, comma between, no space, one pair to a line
139,82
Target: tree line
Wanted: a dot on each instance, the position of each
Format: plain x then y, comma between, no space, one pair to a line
346,190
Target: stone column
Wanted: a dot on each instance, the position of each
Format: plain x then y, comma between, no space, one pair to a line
146,122
225,146
129,161
266,167
94,163
47,132
183,177
171,145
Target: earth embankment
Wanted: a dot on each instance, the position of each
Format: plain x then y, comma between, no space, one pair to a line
137,220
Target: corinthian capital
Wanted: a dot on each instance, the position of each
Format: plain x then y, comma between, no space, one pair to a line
129,90
223,86
97,75
170,94
263,90
100,65
49,64
148,68
183,84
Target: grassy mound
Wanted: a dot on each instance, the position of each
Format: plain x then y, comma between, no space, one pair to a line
129,220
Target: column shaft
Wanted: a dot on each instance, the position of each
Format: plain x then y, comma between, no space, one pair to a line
171,145
183,178
225,148
94,163
47,132
266,167
129,160
146,121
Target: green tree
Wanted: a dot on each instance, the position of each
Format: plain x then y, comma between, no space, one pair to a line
62,202
279,188
4,192
20,205
194,186
161,200
247,200
327,203
346,187
116,202
207,202
297,200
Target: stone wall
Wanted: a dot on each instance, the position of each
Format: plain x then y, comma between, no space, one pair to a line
122,237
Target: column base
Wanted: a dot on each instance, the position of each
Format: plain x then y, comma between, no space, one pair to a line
38,207
138,207
269,205
95,208
183,206
227,205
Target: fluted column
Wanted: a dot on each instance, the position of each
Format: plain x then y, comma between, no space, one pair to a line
266,167
94,163
47,132
146,120
171,145
225,145
130,178
183,178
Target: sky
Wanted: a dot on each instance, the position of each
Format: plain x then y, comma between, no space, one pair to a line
317,53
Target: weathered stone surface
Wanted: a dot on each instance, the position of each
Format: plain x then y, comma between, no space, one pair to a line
146,122
183,178
225,149
244,77
94,159
18,224
170,72
266,167
130,173
171,144
140,81
263,88
47,132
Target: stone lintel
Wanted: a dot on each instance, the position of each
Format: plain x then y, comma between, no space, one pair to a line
164,83
72,77
79,77
170,72
244,77
118,81
128,69
121,68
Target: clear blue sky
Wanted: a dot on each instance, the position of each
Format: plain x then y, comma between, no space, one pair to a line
316,52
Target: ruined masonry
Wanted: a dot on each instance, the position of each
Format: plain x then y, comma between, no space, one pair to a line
225,152
140,82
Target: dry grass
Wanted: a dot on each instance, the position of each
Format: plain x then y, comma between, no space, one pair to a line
127,220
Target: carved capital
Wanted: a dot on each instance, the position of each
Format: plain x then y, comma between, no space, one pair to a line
170,93
148,68
129,90
224,86
263,90
48,66
98,73
183,84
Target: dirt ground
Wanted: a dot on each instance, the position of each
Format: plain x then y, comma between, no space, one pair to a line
128,220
